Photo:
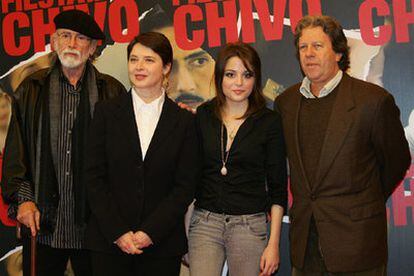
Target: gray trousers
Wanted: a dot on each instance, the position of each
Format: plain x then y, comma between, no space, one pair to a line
214,238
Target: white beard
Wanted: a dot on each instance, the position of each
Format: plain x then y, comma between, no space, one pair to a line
70,61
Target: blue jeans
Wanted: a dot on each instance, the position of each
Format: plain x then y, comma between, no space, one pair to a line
214,238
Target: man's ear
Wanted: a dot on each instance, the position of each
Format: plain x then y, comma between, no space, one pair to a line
166,69
338,56
92,47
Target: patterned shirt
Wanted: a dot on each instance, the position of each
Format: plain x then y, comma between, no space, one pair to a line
66,234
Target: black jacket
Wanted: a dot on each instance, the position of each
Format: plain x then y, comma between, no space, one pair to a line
20,152
129,194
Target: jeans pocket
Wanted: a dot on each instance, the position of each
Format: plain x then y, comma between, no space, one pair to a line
257,226
195,219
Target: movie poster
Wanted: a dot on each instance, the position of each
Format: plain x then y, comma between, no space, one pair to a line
380,35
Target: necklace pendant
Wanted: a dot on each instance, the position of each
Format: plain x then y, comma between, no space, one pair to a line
223,170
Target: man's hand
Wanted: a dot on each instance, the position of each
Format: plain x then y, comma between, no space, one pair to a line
142,240
29,215
126,243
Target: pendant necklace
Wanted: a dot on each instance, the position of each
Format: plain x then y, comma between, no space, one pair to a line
224,154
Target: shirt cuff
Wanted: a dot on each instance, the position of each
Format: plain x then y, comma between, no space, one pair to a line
25,193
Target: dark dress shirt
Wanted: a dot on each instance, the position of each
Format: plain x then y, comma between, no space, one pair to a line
256,165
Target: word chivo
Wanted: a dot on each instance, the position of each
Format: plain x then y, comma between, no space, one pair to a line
26,25
222,16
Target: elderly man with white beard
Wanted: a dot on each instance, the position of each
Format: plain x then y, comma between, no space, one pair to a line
43,179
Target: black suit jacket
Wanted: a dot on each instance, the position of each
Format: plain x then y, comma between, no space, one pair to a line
364,157
129,194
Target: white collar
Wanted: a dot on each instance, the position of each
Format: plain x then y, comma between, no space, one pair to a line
327,88
156,104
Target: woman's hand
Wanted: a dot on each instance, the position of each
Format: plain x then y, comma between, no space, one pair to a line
126,243
269,262
141,239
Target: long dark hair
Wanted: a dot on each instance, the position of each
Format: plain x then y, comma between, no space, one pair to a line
251,61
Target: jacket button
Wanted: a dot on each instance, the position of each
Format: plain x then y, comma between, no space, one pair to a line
313,197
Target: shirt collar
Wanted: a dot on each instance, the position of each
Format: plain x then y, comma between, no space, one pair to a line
78,84
155,104
328,88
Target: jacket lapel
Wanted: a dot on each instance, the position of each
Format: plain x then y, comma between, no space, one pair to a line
339,125
126,117
166,124
298,156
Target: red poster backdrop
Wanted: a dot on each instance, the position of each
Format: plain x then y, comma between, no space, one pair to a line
380,34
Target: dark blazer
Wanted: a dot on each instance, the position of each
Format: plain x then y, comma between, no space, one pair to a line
128,194
364,157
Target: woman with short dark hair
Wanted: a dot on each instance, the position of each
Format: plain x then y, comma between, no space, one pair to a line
142,170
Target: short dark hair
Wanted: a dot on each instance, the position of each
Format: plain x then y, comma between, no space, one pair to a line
251,61
333,29
157,42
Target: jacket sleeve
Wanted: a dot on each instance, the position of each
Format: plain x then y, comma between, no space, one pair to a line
276,163
110,87
171,210
17,185
391,147
101,201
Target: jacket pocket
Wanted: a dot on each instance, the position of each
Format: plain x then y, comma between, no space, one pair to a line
368,210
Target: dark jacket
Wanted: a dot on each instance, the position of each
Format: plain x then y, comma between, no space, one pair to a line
364,157
20,152
127,193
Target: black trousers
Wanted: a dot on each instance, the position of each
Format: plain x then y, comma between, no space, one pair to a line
104,264
53,261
